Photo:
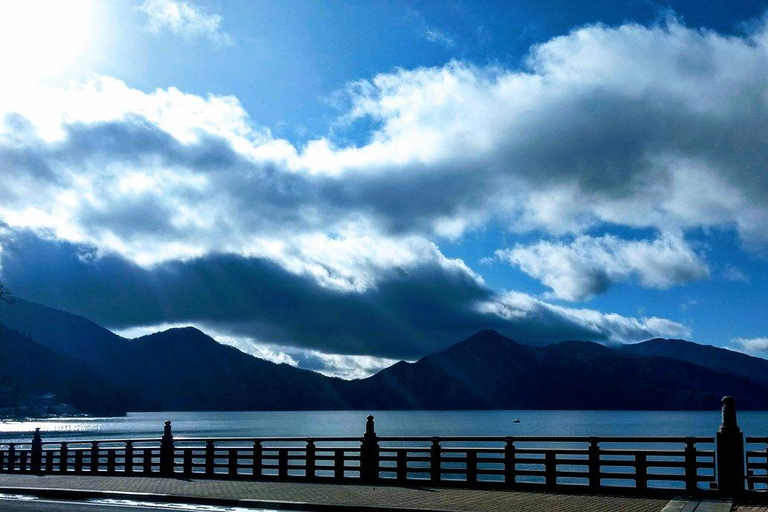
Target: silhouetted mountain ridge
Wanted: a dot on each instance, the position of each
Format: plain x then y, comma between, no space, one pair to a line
185,369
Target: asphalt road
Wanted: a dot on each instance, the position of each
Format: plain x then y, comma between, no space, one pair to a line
26,504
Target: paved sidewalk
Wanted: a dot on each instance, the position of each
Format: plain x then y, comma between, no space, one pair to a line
335,497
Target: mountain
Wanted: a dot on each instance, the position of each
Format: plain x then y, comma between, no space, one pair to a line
714,358
185,369
178,369
490,371
31,375
65,333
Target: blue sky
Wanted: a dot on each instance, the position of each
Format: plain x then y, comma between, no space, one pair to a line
370,181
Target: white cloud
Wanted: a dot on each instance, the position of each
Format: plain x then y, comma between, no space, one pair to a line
184,19
587,266
629,126
733,273
596,325
429,32
754,346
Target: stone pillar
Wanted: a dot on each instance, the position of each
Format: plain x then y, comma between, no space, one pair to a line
369,454
730,452
166,451
37,453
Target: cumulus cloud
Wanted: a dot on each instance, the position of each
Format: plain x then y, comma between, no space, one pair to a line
184,19
644,127
587,266
752,345
411,312
661,127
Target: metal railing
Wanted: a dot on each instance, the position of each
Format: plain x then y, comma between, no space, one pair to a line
644,465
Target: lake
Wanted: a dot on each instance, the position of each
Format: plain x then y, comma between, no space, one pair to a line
388,423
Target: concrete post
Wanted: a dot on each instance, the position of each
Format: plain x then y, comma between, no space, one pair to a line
37,453
166,451
369,454
730,452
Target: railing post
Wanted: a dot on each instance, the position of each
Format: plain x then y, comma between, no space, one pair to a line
166,451
550,469
338,464
282,463
128,458
641,472
111,461
11,457
257,453
310,464
232,466
49,461
147,461
691,470
434,461
23,461
369,454
402,466
471,467
79,461
730,452
510,464
594,463
94,458
63,456
36,457
210,456
188,461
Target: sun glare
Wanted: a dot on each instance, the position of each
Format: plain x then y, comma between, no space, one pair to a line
41,38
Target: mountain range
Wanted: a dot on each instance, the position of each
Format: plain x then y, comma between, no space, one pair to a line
97,371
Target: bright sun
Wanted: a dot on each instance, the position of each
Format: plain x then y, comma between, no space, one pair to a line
40,38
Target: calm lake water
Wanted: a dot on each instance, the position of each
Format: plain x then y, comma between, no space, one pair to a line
388,423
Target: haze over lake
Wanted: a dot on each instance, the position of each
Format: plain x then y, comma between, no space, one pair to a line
388,423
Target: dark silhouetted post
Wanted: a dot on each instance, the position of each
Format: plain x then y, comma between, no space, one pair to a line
257,454
510,464
594,463
188,461
550,469
94,458
402,465
210,456
111,461
471,467
310,459
128,458
79,461
369,454
282,463
166,451
691,469
434,461
641,472
232,467
36,458
338,464
63,457
11,457
730,452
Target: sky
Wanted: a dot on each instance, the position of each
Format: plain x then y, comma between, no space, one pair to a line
341,185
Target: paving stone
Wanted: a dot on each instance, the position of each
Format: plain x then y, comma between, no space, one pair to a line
414,498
